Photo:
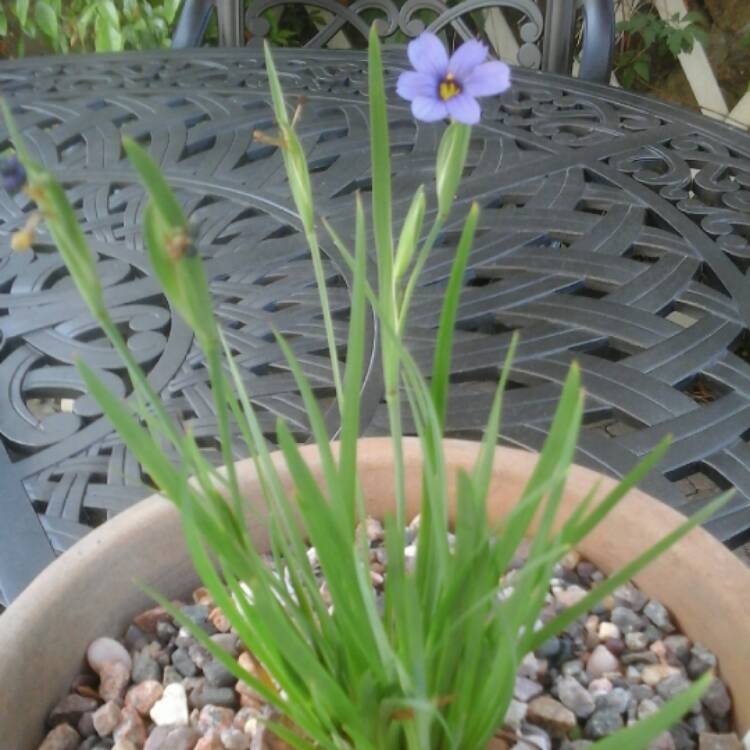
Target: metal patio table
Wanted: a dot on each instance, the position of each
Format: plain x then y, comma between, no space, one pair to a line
614,231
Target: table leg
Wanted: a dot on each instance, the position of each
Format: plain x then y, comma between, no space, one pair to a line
231,23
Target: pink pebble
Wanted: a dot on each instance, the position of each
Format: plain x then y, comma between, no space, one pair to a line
104,650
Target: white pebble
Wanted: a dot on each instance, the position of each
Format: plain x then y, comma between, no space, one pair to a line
600,686
608,630
602,661
172,707
529,666
569,597
516,714
104,650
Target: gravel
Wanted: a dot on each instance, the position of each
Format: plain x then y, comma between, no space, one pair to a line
159,689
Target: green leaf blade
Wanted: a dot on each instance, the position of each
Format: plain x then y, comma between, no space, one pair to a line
643,733
441,367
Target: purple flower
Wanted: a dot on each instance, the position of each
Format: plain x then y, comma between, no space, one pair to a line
12,174
441,87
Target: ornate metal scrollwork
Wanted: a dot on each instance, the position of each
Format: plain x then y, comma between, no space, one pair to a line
394,24
613,231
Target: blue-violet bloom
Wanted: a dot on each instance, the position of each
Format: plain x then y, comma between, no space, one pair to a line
12,174
441,87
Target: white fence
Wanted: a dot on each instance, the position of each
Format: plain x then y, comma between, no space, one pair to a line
695,64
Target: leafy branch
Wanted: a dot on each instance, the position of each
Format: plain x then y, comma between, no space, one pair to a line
646,37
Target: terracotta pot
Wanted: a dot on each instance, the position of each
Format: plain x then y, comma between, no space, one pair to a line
90,591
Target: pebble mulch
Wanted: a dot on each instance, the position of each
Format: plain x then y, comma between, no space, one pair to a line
158,689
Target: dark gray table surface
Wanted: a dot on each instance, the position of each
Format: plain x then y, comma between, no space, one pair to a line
614,231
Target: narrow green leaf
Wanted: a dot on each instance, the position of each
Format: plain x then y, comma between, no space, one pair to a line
3,22
548,476
441,364
60,219
298,174
135,437
276,499
162,195
314,414
410,232
626,573
354,363
640,735
15,136
335,551
277,95
577,531
486,457
380,155
171,249
411,284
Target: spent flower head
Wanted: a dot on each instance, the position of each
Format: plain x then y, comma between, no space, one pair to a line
442,86
13,174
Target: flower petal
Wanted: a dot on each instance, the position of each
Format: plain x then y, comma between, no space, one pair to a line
464,108
429,109
488,79
427,55
411,85
467,57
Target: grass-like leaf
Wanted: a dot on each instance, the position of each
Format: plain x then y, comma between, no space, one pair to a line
626,573
432,664
298,175
441,362
410,232
161,194
354,366
380,161
641,735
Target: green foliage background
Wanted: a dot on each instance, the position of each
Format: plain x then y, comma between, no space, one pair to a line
62,26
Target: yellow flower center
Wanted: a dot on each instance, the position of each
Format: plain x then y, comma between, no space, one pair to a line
448,87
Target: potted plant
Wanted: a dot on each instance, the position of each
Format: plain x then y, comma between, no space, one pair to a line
431,661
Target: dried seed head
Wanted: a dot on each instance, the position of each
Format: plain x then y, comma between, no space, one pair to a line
12,174
179,244
268,140
298,109
23,239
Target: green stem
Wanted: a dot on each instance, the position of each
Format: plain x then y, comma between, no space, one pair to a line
320,280
221,396
137,376
417,271
393,404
